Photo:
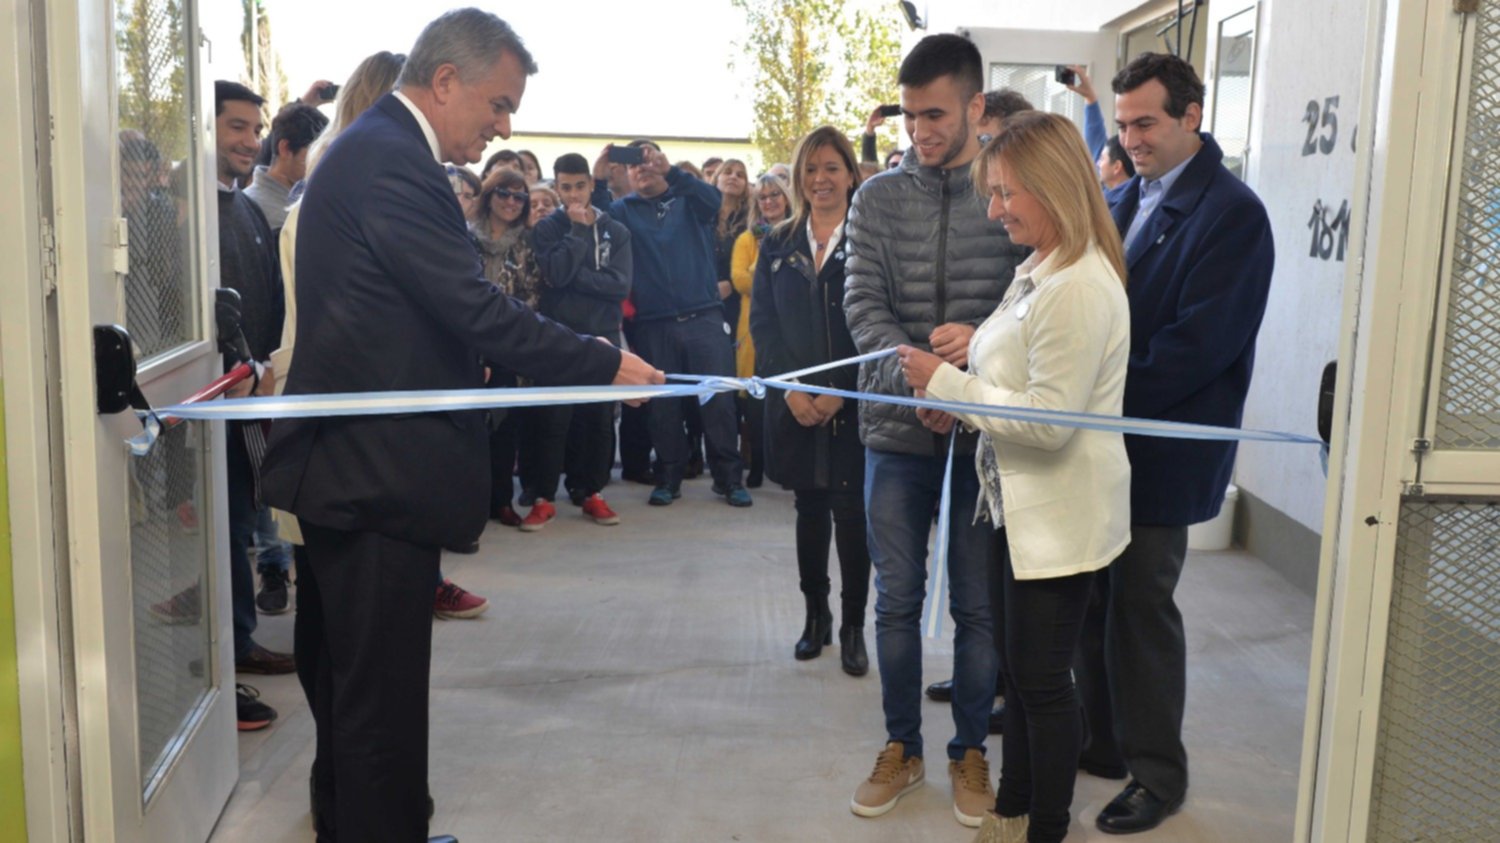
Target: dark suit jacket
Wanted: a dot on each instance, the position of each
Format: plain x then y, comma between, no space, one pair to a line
1200,273
391,296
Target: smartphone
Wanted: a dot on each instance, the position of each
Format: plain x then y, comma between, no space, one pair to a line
890,111
1066,76
329,92
626,154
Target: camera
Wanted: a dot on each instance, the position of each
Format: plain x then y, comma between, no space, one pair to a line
890,111
1066,76
329,92
626,155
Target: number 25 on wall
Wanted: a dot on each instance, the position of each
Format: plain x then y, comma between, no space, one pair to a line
1324,118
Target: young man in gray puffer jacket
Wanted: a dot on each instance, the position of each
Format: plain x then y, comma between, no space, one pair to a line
926,267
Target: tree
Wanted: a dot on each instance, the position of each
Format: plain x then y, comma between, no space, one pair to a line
263,73
816,62
149,42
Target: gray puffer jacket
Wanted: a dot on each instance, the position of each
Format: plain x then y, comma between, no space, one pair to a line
922,253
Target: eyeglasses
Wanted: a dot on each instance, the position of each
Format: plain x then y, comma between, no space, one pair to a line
466,196
506,195
767,197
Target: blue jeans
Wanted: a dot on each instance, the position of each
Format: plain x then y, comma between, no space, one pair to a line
271,552
902,492
240,497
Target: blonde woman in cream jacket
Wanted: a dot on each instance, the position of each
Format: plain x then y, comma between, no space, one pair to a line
1059,496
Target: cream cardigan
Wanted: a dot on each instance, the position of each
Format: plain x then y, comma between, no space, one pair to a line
1063,345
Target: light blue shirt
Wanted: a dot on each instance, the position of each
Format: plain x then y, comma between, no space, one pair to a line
1152,192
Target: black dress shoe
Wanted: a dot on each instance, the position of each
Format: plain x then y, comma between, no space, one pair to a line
465,549
1135,809
997,718
443,838
941,691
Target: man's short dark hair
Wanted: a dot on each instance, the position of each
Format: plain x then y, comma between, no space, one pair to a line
1005,103
1117,155
570,164
638,142
224,91
944,55
504,156
1177,76
709,162
297,123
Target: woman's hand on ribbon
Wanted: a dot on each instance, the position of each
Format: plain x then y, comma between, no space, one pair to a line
918,365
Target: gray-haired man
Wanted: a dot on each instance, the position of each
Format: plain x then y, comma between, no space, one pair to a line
395,277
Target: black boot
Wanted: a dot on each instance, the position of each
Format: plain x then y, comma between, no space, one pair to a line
852,650
818,631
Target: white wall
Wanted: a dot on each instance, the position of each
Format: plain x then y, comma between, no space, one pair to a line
1094,50
1308,52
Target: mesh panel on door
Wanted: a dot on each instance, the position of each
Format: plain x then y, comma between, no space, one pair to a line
154,120
1437,762
169,543
1469,398
1038,84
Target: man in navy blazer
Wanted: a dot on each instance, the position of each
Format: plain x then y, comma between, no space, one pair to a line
1199,253
391,296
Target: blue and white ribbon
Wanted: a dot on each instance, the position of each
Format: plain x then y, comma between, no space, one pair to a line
704,388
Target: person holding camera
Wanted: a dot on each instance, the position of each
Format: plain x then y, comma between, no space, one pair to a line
679,318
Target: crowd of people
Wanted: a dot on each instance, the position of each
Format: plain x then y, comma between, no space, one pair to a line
1009,259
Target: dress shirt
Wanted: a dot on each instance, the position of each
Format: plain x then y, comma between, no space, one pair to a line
427,131
1152,192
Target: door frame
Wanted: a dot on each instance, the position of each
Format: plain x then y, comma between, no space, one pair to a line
1413,55
69,466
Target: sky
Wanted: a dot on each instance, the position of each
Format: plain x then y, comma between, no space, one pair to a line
648,67
651,67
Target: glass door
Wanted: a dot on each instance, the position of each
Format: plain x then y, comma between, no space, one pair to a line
132,189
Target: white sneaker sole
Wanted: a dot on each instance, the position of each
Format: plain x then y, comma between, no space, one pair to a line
965,819
877,810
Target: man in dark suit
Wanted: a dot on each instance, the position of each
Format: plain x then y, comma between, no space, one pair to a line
392,297
1199,252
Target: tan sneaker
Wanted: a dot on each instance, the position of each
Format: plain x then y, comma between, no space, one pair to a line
972,794
895,776
998,829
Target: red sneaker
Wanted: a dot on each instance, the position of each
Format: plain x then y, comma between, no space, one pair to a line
453,603
542,512
595,508
183,608
507,516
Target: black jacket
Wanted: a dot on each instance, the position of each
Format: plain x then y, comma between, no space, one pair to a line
797,320
586,272
391,296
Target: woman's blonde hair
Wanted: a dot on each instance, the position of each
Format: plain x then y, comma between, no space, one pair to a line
1046,153
374,78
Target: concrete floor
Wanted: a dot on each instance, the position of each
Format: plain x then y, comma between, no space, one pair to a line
636,683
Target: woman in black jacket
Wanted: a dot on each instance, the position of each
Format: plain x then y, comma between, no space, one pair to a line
812,441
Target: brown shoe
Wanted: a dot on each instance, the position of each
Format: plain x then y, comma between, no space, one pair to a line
263,661
894,776
972,794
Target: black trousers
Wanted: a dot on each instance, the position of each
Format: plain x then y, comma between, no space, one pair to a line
544,441
696,344
1043,732
364,631
753,439
823,514
589,452
505,439
1132,663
